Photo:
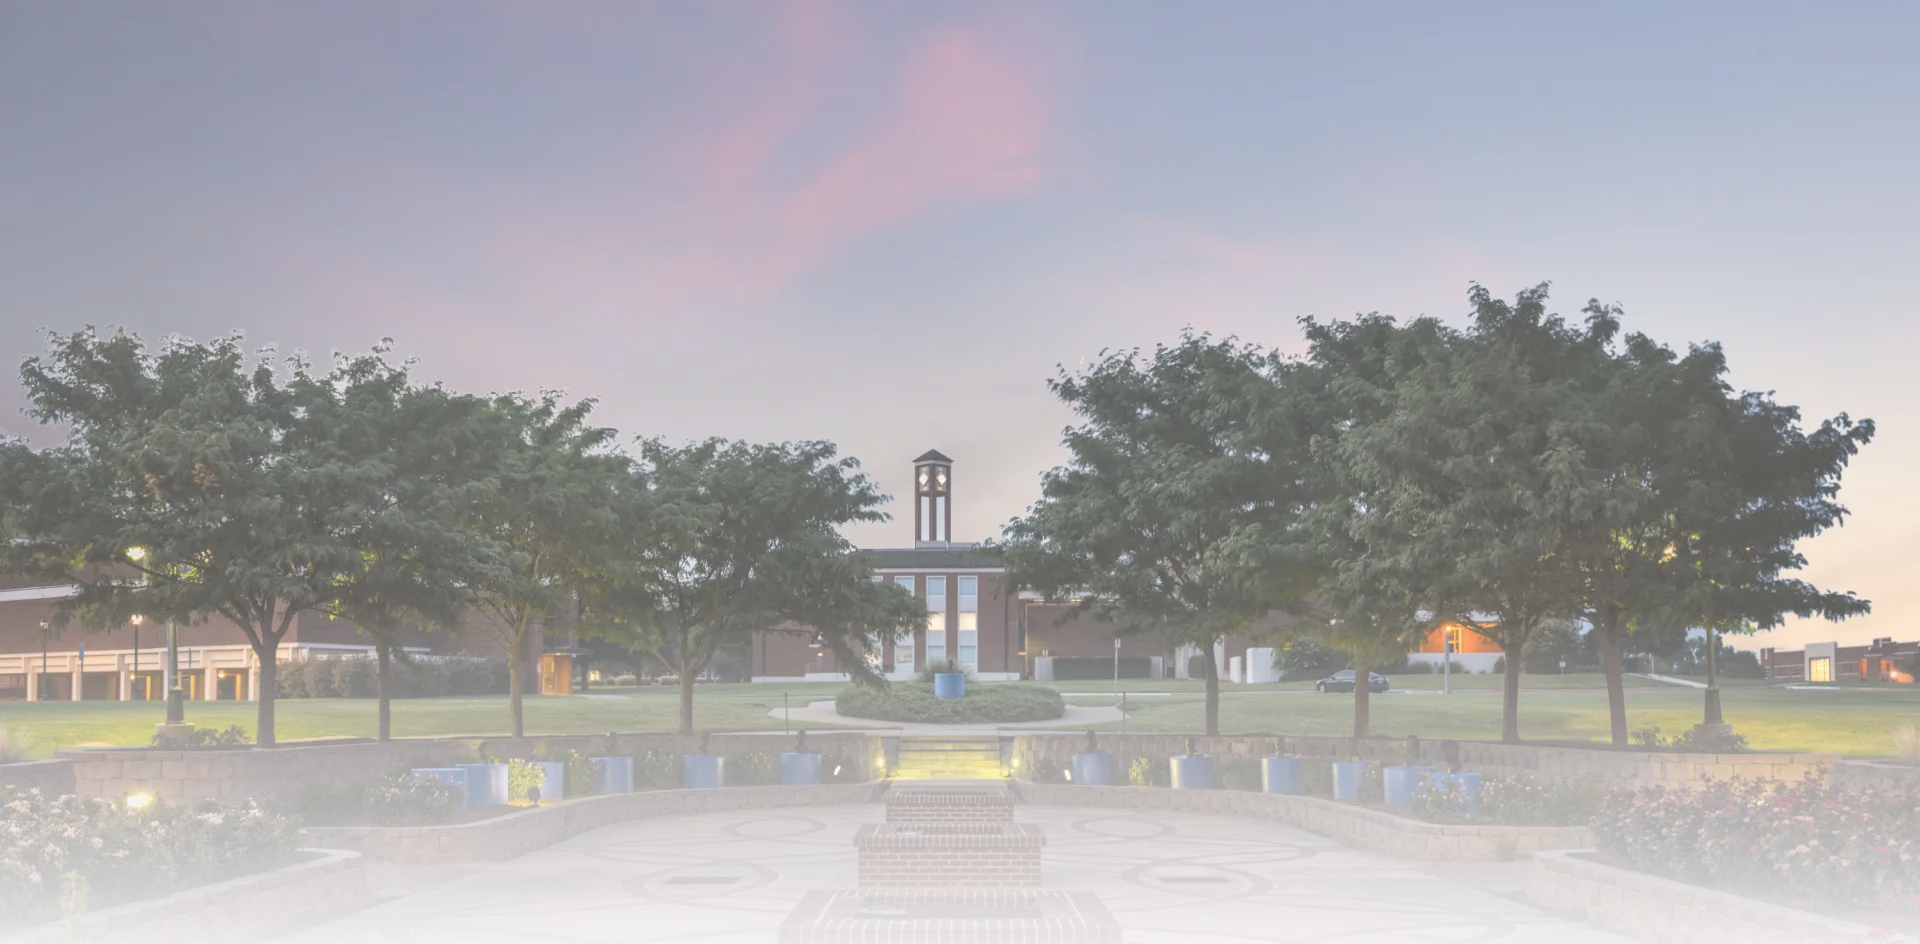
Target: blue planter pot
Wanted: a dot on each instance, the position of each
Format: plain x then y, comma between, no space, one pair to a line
553,779
1282,775
1347,775
1399,783
1192,772
799,770
612,775
703,772
486,784
1093,770
1466,784
949,686
452,775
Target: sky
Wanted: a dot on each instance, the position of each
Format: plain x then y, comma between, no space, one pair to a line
888,224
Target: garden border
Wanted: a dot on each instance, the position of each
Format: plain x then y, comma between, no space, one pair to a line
1665,911
1374,830
514,834
234,911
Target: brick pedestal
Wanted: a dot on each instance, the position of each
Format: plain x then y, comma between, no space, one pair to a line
914,855
950,917
933,805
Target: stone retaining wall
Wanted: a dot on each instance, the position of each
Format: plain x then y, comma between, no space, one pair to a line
517,833
1663,911
990,803
237,911
1616,768
47,776
1863,775
276,771
1354,825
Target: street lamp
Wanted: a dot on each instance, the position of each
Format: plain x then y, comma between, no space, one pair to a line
136,619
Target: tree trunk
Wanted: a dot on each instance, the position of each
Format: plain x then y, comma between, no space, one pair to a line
1607,626
269,678
384,681
1362,701
1213,693
517,685
1510,700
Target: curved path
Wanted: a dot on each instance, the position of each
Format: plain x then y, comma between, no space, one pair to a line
731,878
1077,718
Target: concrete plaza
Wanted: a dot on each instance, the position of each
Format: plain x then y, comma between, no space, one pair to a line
733,878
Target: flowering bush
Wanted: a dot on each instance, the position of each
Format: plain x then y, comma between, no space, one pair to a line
1513,801
522,778
1807,841
407,800
51,844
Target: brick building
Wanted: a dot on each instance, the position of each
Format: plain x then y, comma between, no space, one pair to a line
1882,660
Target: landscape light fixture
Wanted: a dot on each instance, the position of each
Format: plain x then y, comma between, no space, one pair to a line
139,801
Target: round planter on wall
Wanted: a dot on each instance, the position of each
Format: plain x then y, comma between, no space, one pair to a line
486,784
553,780
1281,775
799,770
456,776
1398,783
1347,776
1191,772
612,775
949,686
703,772
1093,770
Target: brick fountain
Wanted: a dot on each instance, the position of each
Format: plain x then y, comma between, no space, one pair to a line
950,866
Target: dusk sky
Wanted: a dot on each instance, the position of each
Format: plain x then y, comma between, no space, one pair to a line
887,224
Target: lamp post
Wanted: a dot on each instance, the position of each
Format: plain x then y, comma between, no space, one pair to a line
1713,688
1446,660
41,682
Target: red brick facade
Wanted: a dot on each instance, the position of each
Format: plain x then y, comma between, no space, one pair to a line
1003,855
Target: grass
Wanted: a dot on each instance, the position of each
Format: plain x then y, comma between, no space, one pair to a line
1855,721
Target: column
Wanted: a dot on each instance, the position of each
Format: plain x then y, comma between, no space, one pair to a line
79,677
126,678
253,676
33,683
209,679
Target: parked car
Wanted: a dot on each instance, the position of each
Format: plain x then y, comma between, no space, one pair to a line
1342,682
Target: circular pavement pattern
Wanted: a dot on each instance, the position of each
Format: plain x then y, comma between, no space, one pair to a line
732,878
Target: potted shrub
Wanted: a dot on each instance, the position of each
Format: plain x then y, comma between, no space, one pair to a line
1094,767
486,782
799,767
1283,772
613,772
1191,771
703,771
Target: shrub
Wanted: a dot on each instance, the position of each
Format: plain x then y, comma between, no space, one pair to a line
1238,773
1685,741
411,677
914,702
754,769
329,802
1807,841
406,800
522,777
941,667
1149,772
1316,777
1044,769
655,768
1514,801
848,766
233,736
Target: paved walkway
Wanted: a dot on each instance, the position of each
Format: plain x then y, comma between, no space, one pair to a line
1077,718
732,878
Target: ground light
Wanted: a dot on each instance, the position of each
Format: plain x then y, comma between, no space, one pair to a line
139,801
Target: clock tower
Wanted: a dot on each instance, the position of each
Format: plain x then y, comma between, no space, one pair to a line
932,500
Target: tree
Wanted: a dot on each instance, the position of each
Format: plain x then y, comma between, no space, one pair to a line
422,448
1175,514
556,497
206,464
745,538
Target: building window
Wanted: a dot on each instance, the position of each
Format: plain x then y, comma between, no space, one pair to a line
903,643
969,624
1820,670
936,618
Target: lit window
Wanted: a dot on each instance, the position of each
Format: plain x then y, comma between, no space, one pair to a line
969,623
936,618
1820,670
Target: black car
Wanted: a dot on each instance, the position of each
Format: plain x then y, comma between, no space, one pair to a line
1342,682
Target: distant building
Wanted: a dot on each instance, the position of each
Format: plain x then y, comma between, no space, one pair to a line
1882,660
1472,652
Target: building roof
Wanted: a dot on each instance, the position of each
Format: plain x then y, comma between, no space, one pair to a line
962,557
932,455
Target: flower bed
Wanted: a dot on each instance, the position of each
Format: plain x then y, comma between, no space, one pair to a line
520,832
1356,825
914,703
73,853
1809,842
